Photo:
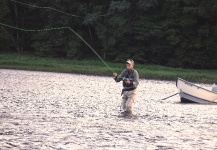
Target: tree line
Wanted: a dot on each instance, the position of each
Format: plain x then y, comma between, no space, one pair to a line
176,33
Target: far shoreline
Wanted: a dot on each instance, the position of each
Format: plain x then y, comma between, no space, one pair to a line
107,76
96,68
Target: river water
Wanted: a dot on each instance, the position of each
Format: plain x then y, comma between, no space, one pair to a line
44,110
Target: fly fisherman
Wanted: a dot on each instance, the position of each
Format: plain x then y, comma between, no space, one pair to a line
130,78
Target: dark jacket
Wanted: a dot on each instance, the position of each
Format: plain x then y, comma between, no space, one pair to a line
133,76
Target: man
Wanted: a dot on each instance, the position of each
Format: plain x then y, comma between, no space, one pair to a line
130,78
214,88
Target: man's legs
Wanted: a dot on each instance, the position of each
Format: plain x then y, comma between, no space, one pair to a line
124,100
129,103
128,99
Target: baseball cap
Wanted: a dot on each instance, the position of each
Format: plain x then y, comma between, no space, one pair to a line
130,61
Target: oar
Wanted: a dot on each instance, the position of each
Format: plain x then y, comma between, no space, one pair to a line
170,96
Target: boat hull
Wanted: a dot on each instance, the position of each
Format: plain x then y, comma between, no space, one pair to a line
191,93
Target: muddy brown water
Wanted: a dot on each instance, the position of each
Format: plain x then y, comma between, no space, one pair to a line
44,110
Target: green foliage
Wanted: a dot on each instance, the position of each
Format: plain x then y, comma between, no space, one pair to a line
176,33
118,6
4,33
147,4
187,33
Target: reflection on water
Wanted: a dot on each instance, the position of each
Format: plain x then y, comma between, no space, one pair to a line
41,110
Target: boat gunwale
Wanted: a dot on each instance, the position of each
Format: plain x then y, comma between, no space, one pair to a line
193,85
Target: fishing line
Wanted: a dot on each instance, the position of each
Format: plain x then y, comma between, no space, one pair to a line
46,8
59,28
48,29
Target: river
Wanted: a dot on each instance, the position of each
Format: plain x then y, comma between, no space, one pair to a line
45,110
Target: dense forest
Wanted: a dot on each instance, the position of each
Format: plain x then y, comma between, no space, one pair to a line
176,33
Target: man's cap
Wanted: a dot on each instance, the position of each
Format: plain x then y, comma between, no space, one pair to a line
130,61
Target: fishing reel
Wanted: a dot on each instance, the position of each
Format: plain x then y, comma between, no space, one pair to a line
124,79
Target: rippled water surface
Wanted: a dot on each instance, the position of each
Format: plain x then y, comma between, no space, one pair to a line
43,110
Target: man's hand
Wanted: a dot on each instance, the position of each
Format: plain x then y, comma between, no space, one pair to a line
127,81
115,74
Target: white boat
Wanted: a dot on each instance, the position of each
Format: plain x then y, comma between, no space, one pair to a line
192,93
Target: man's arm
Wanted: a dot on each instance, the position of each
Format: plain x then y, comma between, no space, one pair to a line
135,81
117,77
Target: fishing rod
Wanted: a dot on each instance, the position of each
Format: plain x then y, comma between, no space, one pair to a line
59,28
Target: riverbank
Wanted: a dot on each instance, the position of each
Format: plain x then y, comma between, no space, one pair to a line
96,67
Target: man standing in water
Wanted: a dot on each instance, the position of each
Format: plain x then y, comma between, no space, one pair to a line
130,78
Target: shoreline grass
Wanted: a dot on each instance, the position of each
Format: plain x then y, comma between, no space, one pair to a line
96,67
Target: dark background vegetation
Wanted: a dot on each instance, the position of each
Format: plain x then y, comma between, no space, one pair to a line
175,33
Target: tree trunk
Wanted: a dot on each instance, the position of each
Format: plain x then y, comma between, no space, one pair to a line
104,55
17,40
22,35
